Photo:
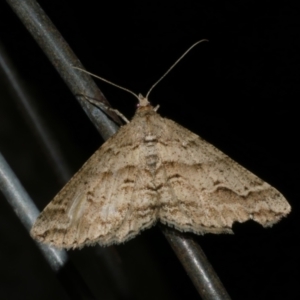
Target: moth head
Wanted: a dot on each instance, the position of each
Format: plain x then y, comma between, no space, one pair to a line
143,101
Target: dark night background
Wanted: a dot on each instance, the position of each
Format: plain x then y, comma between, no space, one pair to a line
239,92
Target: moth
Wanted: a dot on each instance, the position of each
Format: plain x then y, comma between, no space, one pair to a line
154,170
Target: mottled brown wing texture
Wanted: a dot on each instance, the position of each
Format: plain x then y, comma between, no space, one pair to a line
109,200
154,169
208,190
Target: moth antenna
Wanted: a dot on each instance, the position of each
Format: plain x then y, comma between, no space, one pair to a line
143,101
176,62
107,81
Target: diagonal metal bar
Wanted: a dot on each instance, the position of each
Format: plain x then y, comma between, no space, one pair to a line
38,24
63,59
196,264
27,212
67,274
47,142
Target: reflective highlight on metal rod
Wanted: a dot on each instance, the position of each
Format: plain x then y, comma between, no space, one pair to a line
26,211
63,59
49,146
196,264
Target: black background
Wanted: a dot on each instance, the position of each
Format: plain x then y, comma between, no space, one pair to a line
240,92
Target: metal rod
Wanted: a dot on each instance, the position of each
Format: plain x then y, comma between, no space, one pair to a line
188,252
63,59
26,211
196,264
47,142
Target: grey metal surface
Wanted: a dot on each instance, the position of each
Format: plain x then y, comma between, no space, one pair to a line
63,59
66,273
26,211
48,143
196,264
